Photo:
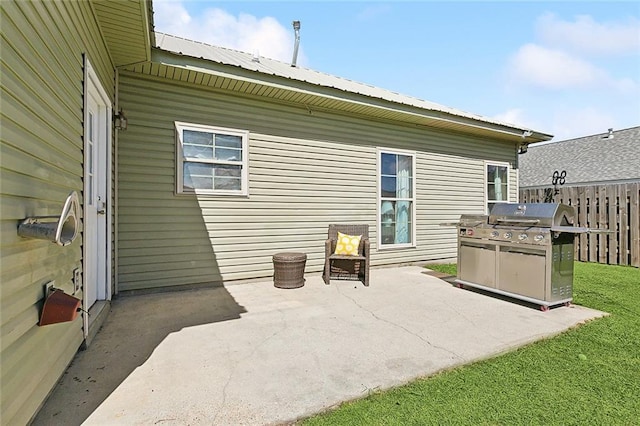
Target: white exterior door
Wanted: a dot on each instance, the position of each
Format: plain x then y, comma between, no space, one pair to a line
96,230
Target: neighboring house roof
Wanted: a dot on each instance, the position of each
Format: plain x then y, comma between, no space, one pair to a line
313,88
597,159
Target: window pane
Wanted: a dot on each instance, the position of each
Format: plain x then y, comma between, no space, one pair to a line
201,182
90,190
503,193
491,173
229,141
198,151
388,166
227,154
197,144
228,184
491,195
405,165
404,186
198,176
388,225
227,171
388,187
403,222
496,173
197,138
228,178
502,173
90,156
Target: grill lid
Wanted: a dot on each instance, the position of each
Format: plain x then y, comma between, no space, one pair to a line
545,215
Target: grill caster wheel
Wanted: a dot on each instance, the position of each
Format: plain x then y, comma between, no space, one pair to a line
544,308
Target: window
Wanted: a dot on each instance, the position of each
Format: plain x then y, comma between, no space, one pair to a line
211,160
497,189
396,171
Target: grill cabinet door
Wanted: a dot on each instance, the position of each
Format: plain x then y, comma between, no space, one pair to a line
477,263
522,272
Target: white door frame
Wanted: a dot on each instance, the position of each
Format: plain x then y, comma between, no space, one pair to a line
92,85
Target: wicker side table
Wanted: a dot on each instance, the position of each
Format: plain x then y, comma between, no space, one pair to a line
288,269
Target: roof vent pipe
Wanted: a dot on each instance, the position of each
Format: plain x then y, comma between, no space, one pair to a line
610,133
296,29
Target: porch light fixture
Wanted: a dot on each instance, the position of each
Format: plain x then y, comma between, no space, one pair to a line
522,148
120,120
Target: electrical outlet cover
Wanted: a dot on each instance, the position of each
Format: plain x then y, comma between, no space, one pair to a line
77,280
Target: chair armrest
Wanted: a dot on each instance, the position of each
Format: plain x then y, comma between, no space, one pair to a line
328,247
366,247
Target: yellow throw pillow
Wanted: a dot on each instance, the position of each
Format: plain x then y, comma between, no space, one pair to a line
347,244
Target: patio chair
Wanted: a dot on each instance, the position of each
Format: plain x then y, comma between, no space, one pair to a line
340,266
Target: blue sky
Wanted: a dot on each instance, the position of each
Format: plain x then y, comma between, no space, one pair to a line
567,68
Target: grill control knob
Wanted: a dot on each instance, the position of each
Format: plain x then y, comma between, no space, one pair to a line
523,236
508,235
538,238
495,234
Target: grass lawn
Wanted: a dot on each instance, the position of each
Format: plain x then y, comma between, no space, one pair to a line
589,375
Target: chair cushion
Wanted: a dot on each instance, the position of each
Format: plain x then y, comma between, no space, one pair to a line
347,244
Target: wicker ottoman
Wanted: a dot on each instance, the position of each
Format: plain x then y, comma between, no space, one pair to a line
288,269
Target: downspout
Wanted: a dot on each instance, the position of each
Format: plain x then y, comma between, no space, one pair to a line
115,188
521,149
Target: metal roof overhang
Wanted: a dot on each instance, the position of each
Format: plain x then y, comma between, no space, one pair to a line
211,74
126,27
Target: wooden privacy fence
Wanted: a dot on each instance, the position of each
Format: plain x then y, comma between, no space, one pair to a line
613,207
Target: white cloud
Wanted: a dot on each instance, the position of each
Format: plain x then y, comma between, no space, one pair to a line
559,58
373,12
513,116
549,68
588,36
566,121
555,69
569,123
215,26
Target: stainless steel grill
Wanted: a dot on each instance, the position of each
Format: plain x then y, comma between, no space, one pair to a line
523,251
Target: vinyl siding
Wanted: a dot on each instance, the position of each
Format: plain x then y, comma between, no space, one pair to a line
41,151
306,169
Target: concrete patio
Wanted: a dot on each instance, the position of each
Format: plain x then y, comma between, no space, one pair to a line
253,354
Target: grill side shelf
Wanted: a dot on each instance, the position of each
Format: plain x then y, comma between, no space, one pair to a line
580,230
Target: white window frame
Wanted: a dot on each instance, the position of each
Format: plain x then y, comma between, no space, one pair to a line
181,159
486,183
379,198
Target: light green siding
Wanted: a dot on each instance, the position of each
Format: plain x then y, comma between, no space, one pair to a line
306,169
43,43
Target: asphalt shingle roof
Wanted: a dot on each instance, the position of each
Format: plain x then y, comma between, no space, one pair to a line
588,160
